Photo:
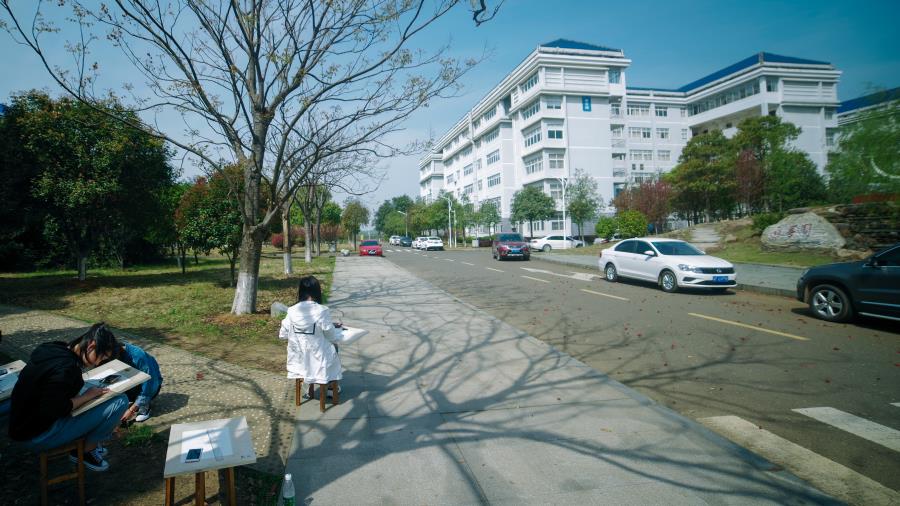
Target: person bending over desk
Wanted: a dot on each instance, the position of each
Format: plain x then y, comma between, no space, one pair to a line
50,388
141,395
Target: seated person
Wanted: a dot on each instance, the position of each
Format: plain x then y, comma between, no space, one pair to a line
312,337
50,388
141,395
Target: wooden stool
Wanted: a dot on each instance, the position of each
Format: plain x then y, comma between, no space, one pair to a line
335,394
63,451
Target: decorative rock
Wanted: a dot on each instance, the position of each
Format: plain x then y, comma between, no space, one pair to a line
806,231
278,310
845,255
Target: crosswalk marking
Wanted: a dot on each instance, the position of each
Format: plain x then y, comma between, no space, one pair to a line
492,269
604,294
822,473
875,432
536,279
739,324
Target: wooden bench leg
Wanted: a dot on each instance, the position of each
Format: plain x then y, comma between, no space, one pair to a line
298,391
200,489
170,491
335,393
323,390
232,497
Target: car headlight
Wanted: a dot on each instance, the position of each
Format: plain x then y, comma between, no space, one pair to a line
689,268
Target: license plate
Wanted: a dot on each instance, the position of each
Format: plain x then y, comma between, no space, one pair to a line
372,252
720,279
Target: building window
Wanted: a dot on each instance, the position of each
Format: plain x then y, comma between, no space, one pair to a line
478,164
617,131
662,133
489,114
537,225
468,189
664,155
530,83
532,136
553,102
476,123
480,185
466,152
534,164
639,133
491,136
618,156
726,97
615,110
641,154
494,180
615,76
639,109
557,160
555,190
684,134
468,169
557,223
683,111
661,112
493,157
771,84
531,109
555,132
829,137
495,201
829,113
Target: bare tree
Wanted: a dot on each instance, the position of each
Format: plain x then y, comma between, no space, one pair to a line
248,75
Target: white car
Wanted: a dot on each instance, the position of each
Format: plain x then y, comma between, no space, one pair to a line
670,263
394,240
431,243
417,244
551,242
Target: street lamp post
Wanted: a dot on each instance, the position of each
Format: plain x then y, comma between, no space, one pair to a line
449,224
407,223
562,182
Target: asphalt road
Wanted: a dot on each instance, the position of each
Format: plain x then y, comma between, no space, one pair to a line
753,356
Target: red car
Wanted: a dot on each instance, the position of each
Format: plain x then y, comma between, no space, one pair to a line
510,246
370,249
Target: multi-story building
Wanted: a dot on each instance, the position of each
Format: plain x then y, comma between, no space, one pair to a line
567,107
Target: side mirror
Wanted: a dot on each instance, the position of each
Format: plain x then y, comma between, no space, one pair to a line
650,253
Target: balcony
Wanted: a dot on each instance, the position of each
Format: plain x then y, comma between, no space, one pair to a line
618,143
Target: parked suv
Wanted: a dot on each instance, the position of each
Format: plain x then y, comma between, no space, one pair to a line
405,241
510,246
431,243
838,292
550,242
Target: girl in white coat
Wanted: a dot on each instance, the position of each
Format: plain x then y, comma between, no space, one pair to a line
311,337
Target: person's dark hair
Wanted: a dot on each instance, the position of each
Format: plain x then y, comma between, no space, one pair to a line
309,288
103,338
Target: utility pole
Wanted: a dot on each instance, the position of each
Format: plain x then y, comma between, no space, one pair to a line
449,224
407,223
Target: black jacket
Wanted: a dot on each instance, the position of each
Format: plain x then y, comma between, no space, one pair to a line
44,391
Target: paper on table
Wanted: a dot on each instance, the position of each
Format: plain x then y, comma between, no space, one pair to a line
199,439
351,335
8,381
102,374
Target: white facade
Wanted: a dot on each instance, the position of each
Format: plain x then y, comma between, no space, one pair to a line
567,107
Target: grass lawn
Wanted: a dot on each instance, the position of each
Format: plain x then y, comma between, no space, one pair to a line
190,311
750,251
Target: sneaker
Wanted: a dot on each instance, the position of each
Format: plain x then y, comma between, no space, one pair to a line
92,460
329,394
101,450
143,414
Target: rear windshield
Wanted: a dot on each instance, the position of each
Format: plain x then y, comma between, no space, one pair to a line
369,243
509,237
675,248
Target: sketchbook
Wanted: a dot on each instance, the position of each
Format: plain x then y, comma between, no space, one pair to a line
350,334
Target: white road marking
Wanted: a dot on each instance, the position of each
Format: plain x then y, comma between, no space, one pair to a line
866,429
738,324
449,260
467,263
492,269
580,276
536,279
605,295
822,473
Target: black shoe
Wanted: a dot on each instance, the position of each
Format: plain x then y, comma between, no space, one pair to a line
92,460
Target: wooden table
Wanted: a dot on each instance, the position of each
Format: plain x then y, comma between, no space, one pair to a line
8,380
131,378
226,443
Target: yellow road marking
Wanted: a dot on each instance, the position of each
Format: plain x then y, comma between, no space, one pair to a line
604,294
738,324
492,269
536,279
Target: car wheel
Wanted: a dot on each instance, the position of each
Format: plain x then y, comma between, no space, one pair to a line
546,248
611,274
830,303
526,257
668,282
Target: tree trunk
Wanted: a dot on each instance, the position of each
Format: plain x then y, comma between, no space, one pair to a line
232,259
307,228
82,266
182,258
196,259
286,231
248,273
318,231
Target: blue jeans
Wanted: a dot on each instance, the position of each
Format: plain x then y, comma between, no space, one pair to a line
95,425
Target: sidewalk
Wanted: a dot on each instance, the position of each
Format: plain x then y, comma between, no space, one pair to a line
768,279
444,404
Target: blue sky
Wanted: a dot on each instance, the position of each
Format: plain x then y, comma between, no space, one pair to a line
669,43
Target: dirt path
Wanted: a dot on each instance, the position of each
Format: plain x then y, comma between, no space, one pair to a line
194,388
705,236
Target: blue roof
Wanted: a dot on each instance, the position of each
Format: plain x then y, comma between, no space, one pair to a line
869,100
746,63
571,44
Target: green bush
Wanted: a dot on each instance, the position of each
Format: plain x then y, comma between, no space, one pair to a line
606,227
632,224
761,221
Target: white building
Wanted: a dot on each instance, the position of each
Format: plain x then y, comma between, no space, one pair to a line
568,107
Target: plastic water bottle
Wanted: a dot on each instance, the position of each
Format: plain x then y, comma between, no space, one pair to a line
287,491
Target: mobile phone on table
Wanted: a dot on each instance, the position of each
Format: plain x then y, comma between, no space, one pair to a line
193,455
109,380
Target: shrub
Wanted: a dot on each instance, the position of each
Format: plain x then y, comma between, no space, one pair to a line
606,227
632,224
761,221
278,240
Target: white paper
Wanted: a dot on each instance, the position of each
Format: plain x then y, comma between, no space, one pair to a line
8,381
102,374
191,439
351,335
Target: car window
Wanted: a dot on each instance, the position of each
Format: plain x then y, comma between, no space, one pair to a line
676,248
640,247
891,257
555,238
369,243
626,247
509,237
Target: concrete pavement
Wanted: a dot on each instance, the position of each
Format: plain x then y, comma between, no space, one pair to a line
444,404
768,279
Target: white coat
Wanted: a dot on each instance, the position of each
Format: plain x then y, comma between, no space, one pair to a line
310,333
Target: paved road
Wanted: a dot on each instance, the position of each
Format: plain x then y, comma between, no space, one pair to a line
758,358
